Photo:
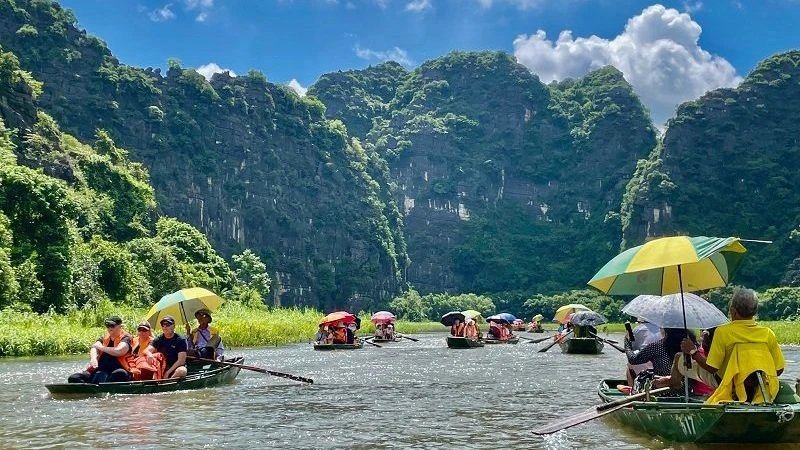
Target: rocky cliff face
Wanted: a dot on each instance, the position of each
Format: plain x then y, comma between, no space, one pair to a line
247,162
728,166
504,182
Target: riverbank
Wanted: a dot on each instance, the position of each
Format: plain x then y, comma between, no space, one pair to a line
31,334
787,332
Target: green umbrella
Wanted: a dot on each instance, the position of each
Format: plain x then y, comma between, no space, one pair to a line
183,304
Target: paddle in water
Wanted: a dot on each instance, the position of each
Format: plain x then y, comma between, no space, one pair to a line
547,347
253,368
535,341
594,413
608,341
372,343
409,338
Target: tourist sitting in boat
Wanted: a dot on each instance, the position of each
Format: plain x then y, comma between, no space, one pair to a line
141,369
390,331
351,332
659,353
471,330
457,329
495,331
644,333
324,335
739,351
340,333
702,381
173,346
204,341
109,357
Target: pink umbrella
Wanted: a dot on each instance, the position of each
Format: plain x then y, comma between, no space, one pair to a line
383,317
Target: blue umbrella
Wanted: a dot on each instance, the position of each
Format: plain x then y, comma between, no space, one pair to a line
502,317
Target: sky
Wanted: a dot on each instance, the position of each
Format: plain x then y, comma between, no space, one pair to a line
670,51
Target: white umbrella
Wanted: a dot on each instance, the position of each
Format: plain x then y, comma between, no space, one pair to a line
666,312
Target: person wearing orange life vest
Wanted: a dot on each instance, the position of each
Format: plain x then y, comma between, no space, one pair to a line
204,341
340,334
457,329
141,369
471,330
109,357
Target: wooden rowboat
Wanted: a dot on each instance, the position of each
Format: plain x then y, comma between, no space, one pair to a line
672,419
199,377
513,340
584,346
462,342
354,346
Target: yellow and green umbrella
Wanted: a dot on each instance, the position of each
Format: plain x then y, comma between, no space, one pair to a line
471,314
183,304
671,265
564,311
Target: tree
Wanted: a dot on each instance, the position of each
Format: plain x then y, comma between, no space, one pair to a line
410,306
251,273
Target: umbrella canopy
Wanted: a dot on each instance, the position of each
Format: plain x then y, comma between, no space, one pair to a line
383,317
338,316
502,317
471,314
652,268
537,318
562,312
587,318
182,305
665,311
450,318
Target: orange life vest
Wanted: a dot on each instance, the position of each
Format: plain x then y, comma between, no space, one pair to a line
138,347
471,331
126,359
340,335
142,370
457,330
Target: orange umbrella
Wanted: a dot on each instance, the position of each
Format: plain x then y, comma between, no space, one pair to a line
338,316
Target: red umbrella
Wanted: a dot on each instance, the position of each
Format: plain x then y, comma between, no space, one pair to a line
338,316
383,317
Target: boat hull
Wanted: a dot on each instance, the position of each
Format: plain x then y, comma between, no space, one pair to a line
498,341
676,421
462,342
325,347
584,346
202,377
380,339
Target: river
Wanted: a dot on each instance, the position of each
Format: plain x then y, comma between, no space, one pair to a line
405,395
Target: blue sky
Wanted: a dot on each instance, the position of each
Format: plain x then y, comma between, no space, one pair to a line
698,45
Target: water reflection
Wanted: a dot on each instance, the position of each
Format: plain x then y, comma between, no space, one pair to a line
405,395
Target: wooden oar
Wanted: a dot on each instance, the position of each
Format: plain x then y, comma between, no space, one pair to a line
609,342
594,413
255,369
372,343
535,341
409,338
546,348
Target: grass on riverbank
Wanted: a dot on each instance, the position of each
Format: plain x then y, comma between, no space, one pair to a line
787,332
31,334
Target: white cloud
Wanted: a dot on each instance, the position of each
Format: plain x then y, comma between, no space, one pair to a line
162,14
208,70
692,7
418,5
201,17
297,87
396,54
382,3
202,6
658,53
520,4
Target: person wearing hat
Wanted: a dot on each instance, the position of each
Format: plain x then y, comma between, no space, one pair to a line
109,357
142,369
172,345
204,341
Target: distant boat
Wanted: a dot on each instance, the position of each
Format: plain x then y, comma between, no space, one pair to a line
583,346
354,346
462,342
513,340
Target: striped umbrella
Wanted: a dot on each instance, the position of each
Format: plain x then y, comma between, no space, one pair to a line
671,265
183,304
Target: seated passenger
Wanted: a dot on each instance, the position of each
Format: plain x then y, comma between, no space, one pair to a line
141,369
703,381
457,329
739,350
204,341
172,346
109,357
340,334
495,331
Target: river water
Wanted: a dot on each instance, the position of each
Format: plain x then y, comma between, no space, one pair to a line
405,395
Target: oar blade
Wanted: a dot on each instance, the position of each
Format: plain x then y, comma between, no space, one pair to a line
563,424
